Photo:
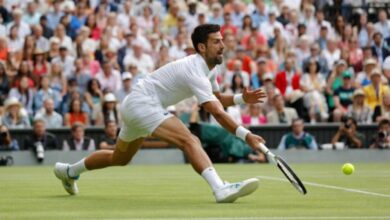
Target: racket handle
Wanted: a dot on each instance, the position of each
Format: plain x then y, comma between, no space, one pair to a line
267,152
263,148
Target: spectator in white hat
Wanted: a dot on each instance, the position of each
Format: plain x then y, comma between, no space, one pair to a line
126,86
15,115
109,110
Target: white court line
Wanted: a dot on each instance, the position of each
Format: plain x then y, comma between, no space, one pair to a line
330,187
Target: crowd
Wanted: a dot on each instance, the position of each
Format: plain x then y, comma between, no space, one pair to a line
70,63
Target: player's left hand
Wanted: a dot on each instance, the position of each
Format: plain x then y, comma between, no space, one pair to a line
253,96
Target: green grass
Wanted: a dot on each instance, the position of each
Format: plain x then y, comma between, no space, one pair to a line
145,192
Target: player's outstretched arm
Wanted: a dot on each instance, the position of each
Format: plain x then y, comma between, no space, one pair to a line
225,120
247,97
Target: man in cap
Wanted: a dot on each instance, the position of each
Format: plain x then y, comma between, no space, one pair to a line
126,86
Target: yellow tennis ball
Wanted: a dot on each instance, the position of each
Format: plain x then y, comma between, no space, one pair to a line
348,168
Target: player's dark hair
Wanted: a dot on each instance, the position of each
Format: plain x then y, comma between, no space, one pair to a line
201,34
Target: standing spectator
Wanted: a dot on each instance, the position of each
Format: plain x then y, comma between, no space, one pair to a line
376,90
359,110
342,96
7,143
15,116
66,61
298,138
44,93
348,135
48,114
41,137
126,86
109,78
108,141
78,141
76,114
281,114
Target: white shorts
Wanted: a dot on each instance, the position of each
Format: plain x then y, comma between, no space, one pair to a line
141,113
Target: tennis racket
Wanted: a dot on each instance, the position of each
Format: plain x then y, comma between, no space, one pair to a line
285,168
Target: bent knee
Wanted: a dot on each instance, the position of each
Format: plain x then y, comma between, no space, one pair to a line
191,142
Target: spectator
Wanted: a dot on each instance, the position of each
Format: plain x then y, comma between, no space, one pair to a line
298,138
269,26
57,80
383,24
378,48
126,86
109,110
382,111
343,96
24,28
40,66
317,56
45,92
76,114
331,53
261,71
348,135
41,137
381,140
51,118
237,70
7,143
94,98
78,141
281,114
81,75
41,42
15,115
144,61
287,80
375,91
216,14
4,84
363,78
359,110
109,78
53,17
66,61
253,116
108,141
24,94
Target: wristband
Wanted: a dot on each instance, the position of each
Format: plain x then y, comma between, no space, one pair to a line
238,99
241,132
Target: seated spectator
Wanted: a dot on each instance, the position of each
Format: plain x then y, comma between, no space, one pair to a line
40,66
359,110
109,110
298,138
237,70
4,84
24,94
375,91
281,114
57,80
6,141
94,98
45,92
51,118
343,97
78,141
81,75
15,115
41,137
257,77
108,141
287,80
65,60
382,111
381,140
126,86
76,114
313,84
363,78
109,78
348,134
253,116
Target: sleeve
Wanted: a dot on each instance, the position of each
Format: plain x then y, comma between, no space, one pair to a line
65,146
92,146
200,87
313,144
282,144
214,84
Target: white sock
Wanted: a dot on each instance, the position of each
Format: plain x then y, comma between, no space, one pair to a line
77,168
212,178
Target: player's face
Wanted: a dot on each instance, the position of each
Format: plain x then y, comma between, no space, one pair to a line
214,49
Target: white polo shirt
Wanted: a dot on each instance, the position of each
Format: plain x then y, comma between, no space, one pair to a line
181,79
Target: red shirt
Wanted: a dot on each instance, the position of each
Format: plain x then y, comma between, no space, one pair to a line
281,81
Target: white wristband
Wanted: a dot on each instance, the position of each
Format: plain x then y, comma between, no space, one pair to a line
238,99
241,132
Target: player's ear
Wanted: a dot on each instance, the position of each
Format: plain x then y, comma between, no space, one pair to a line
202,47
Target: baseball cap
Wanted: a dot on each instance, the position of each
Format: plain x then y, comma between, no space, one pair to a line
126,75
370,61
109,97
341,62
376,71
347,74
268,76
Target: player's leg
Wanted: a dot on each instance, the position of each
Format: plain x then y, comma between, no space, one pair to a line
123,153
175,132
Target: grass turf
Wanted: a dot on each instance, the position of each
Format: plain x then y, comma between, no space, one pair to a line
146,192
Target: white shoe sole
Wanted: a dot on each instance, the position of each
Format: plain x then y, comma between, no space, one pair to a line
250,186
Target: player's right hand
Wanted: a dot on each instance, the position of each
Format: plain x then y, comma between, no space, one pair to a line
254,141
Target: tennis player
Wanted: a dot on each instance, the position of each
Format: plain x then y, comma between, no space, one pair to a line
144,112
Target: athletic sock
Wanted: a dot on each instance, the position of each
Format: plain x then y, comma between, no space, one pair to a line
212,178
77,168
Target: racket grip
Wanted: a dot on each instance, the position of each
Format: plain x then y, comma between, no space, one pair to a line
263,148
